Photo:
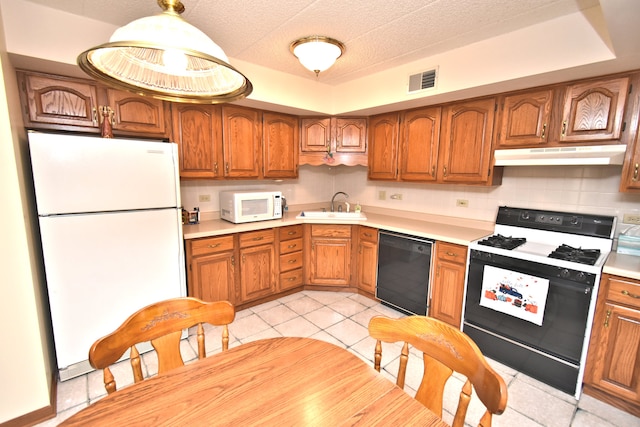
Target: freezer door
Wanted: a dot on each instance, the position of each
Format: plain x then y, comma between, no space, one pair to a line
100,268
74,173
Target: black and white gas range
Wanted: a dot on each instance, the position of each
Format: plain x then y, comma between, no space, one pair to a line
531,291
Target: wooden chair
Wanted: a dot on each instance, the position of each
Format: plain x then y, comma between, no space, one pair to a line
445,349
161,324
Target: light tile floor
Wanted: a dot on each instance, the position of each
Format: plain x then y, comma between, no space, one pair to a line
342,319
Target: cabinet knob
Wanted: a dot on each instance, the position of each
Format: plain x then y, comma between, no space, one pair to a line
444,171
564,128
95,116
635,173
292,246
215,168
433,171
292,261
226,168
544,131
606,319
213,246
258,238
451,254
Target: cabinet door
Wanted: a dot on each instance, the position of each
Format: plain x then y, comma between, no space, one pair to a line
350,135
242,137
367,266
465,144
137,114
617,370
419,139
280,145
257,277
330,261
447,292
383,146
197,129
594,111
213,277
315,135
525,119
59,102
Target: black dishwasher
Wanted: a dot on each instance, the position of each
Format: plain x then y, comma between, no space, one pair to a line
404,264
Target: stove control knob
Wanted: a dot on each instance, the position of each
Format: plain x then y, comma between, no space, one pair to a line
581,276
574,220
564,273
525,215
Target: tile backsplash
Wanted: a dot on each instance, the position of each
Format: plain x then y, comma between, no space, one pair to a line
592,189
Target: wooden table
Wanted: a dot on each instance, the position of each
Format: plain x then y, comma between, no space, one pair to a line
278,381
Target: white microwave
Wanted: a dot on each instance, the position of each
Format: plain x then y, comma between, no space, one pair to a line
250,206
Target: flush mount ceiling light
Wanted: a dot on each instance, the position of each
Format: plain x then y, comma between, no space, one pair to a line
317,53
165,57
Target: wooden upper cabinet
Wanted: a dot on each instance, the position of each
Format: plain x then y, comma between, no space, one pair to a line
350,135
242,140
525,119
197,129
333,141
137,114
419,140
383,146
593,111
60,102
465,142
65,103
279,145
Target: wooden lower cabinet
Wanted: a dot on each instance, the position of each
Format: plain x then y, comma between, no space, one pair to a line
257,265
447,291
612,372
291,257
367,265
328,258
211,268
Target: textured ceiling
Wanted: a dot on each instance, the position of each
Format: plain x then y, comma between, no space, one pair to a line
378,34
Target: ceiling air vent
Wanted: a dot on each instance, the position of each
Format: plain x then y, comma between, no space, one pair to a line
423,80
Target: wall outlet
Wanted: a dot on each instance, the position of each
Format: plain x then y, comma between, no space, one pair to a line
204,198
463,203
631,219
382,195
396,196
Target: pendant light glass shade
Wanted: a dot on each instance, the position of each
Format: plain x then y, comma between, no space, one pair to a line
165,57
317,53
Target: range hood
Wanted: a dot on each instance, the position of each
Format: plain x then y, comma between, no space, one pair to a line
582,155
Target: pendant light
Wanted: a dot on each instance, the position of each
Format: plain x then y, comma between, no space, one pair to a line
317,53
165,57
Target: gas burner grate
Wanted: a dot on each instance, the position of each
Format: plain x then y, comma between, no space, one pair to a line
500,241
579,255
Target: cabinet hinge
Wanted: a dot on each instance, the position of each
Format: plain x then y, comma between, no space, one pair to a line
624,126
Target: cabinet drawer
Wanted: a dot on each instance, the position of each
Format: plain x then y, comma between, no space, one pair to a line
627,293
292,232
291,279
368,234
254,238
289,246
290,261
451,252
326,230
211,245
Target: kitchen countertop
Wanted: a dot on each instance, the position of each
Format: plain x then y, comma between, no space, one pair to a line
623,265
461,234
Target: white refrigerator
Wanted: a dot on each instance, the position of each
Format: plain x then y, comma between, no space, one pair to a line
111,230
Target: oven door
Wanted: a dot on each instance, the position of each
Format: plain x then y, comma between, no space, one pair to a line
551,351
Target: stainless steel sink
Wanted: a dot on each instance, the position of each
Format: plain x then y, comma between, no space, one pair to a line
332,216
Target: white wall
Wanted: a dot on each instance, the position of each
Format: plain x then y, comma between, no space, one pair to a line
588,189
25,355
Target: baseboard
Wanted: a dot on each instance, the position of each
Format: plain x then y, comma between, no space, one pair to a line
39,415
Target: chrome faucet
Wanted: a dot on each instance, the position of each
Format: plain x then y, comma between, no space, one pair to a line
346,196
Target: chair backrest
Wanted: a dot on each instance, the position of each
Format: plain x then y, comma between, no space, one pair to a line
160,323
445,350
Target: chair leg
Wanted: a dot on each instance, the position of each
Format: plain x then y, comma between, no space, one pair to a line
109,382
402,369
200,338
225,338
377,357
